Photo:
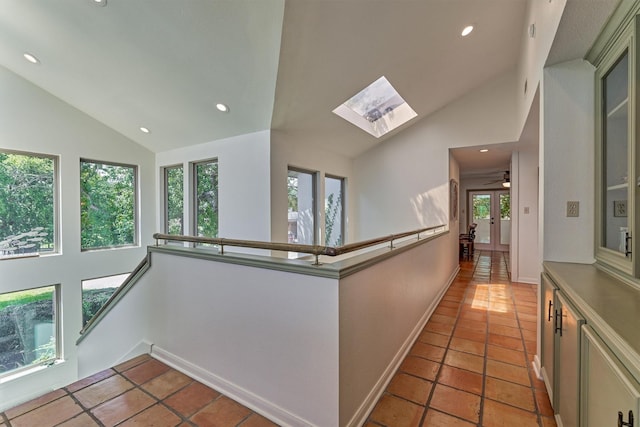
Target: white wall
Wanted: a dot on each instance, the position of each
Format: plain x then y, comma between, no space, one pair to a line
546,16
285,153
525,265
243,184
403,183
34,121
382,310
567,161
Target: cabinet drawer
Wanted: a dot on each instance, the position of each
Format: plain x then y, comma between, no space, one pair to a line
607,387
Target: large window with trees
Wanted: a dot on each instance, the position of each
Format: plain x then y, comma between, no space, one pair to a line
27,203
301,187
205,199
174,200
333,211
107,205
28,328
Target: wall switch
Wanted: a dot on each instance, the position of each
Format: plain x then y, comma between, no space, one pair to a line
573,209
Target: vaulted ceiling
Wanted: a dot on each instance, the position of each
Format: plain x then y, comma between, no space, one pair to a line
284,65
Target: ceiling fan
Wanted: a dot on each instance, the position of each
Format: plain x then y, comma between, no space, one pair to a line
506,180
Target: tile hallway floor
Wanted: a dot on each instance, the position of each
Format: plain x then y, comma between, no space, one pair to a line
140,392
471,365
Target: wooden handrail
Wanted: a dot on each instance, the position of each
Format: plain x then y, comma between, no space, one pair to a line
316,250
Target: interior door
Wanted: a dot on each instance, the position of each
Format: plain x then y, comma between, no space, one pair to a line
491,210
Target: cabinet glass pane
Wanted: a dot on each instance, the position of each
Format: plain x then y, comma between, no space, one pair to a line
615,155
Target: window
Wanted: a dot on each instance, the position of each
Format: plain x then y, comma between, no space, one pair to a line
27,204
376,109
174,200
301,187
96,292
107,205
205,175
28,328
333,211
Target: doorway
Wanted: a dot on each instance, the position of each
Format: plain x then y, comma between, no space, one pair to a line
491,210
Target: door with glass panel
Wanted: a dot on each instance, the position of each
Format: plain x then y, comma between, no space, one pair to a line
491,210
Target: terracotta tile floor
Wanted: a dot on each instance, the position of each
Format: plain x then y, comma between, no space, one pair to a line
471,365
139,392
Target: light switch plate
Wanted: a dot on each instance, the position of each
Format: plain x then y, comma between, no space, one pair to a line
573,209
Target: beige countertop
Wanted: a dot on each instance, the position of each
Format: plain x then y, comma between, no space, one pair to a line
610,305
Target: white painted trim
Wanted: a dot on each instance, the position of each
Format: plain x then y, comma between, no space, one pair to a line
514,248
254,402
529,280
360,416
143,347
536,367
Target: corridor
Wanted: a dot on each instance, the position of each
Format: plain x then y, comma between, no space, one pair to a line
471,365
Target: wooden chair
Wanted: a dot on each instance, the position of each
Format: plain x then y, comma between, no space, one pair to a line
466,242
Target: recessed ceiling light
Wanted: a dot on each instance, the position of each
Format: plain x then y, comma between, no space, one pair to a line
467,30
484,150
101,3
222,107
29,57
144,130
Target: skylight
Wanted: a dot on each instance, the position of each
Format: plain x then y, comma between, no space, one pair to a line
377,109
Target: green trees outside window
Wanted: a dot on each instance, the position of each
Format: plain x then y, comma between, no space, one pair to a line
107,205
28,328
27,203
334,211
206,198
174,200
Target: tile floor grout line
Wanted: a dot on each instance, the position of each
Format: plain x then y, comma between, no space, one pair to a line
435,382
85,410
526,356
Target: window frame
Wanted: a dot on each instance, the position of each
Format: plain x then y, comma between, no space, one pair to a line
136,204
165,180
314,192
57,331
55,202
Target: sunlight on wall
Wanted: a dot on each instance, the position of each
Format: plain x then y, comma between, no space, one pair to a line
432,207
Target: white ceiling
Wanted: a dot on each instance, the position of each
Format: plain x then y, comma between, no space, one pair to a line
164,64
161,64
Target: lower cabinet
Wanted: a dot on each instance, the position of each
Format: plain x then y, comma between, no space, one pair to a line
568,323
610,396
547,332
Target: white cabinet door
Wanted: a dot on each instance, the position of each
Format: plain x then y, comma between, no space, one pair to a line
607,388
567,367
547,330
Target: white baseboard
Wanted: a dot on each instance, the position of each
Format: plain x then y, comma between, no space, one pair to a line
536,367
360,416
252,401
528,280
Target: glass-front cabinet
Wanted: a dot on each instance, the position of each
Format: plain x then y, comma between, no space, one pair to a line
616,169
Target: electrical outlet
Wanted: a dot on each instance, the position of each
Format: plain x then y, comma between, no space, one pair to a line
573,209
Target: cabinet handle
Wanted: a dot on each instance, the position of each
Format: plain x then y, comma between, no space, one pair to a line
627,251
621,423
558,328
549,312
